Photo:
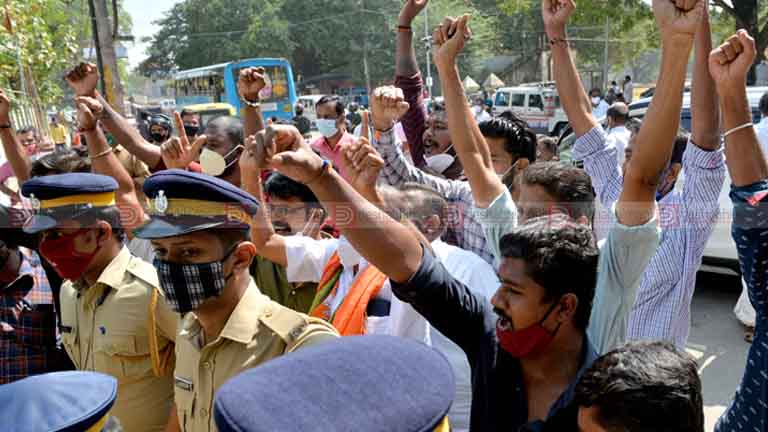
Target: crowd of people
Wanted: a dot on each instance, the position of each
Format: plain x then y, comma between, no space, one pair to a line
237,276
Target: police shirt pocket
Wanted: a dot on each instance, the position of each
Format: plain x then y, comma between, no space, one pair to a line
184,396
119,356
36,327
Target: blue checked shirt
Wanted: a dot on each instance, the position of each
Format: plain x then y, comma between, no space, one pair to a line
687,217
749,410
464,230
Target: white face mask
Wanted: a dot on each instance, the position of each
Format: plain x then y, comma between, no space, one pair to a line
213,164
596,100
327,127
439,163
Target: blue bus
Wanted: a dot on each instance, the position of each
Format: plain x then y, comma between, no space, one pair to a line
218,84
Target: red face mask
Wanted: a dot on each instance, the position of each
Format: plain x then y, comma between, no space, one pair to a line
530,341
60,252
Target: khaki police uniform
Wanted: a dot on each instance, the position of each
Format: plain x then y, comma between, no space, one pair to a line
257,330
113,327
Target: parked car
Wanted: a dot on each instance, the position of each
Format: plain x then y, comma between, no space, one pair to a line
538,104
720,253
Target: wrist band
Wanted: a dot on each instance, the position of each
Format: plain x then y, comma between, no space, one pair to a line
404,29
738,128
323,170
83,130
102,154
553,42
5,126
252,104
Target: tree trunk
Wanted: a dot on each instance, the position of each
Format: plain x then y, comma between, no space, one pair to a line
112,83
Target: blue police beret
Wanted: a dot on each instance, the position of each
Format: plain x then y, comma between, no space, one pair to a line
66,196
57,402
356,383
184,202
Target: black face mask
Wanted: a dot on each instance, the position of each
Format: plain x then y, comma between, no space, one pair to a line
158,138
191,130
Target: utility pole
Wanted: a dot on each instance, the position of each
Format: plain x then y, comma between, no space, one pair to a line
106,56
428,44
365,54
606,68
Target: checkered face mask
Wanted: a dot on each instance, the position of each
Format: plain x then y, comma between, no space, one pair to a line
187,286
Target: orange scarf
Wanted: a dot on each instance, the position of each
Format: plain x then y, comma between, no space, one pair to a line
350,317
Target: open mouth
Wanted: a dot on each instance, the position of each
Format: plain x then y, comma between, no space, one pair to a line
282,229
504,324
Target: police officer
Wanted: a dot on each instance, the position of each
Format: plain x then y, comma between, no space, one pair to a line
201,235
113,318
388,384
59,402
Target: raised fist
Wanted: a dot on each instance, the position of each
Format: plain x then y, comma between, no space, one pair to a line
250,82
729,63
387,106
679,17
83,79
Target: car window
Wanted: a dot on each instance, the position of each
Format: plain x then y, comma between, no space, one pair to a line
535,101
518,100
502,99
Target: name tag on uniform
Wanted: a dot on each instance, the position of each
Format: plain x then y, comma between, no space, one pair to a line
183,383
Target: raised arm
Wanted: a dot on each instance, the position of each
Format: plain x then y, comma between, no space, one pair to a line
249,84
385,243
705,114
465,134
268,243
728,65
408,79
14,152
104,161
83,79
653,145
573,98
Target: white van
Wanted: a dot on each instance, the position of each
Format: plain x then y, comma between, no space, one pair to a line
538,104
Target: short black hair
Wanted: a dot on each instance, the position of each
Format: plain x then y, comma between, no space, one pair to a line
339,105
520,140
28,129
549,142
571,186
230,237
561,256
596,89
628,78
764,104
281,186
74,160
231,127
299,109
644,386
110,215
681,143
188,112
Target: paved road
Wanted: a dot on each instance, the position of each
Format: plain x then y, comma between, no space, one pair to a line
717,341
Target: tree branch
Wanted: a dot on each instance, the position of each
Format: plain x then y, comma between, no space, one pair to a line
724,5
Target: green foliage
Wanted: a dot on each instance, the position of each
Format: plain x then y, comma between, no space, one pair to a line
47,41
318,36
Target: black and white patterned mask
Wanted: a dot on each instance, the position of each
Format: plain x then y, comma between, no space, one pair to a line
187,286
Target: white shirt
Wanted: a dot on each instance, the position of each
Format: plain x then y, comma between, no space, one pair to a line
471,270
761,129
629,90
619,137
601,110
306,259
481,114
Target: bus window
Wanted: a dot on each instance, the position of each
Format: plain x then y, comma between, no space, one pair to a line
518,100
277,83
